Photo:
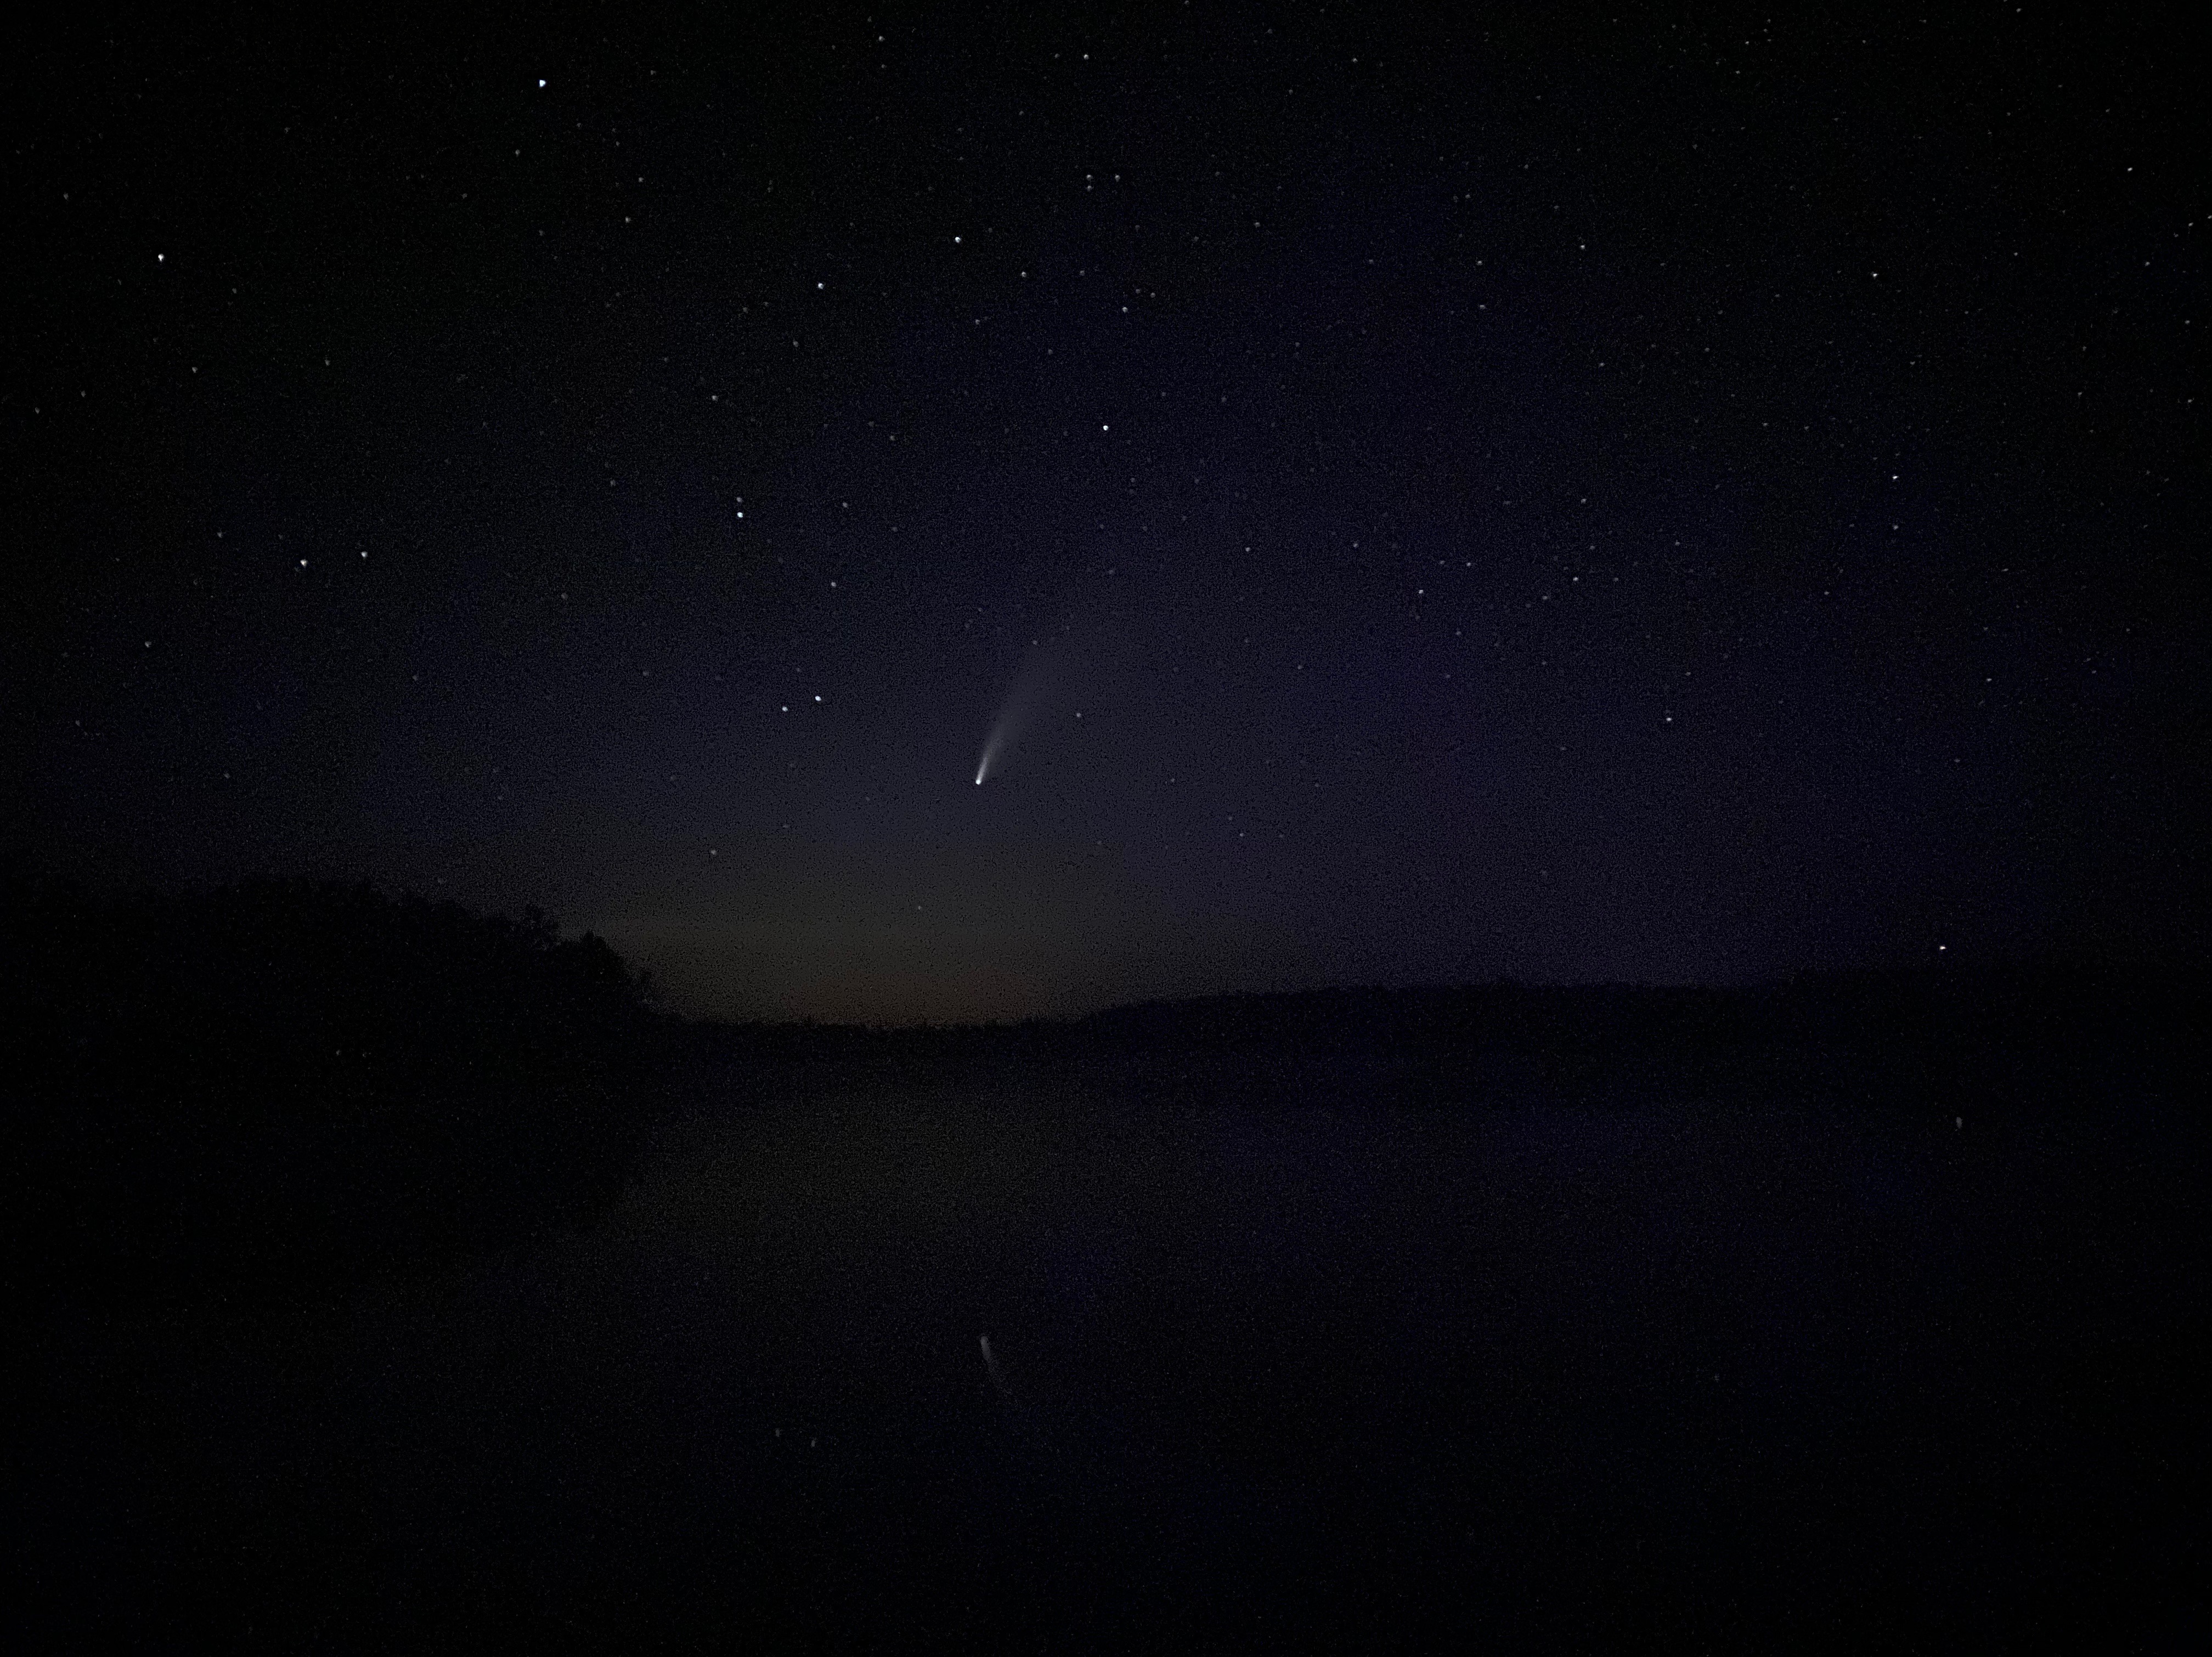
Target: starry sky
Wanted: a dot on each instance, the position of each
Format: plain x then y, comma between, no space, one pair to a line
1401,496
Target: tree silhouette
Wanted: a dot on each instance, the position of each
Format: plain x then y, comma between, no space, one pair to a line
250,1090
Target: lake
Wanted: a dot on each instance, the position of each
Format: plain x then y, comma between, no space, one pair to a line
1267,1367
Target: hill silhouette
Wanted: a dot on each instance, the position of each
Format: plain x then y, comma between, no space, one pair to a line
2022,1035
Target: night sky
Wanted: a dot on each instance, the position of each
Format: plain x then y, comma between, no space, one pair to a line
1398,497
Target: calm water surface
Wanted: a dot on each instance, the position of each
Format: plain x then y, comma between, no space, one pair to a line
1268,1375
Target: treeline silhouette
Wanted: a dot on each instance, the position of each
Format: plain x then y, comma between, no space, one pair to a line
248,1093
266,1090
2030,1034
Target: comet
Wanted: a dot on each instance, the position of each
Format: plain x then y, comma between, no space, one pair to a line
991,1366
1039,690
1008,725
1019,710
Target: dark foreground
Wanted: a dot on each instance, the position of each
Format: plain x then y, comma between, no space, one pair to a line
1294,1348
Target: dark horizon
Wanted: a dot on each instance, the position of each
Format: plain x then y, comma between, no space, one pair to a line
1395,500
392,1276
2167,966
